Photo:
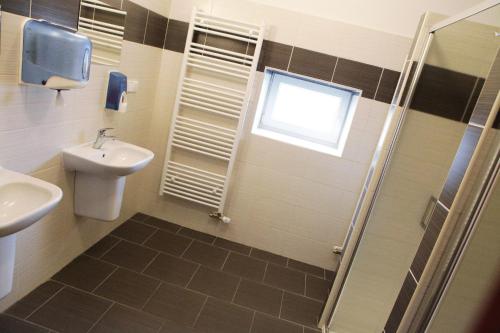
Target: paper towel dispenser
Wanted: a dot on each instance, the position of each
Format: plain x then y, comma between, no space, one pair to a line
54,56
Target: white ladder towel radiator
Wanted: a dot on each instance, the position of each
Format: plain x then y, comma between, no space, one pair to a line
212,99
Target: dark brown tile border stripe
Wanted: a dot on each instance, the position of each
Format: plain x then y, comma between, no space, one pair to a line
19,7
443,92
402,302
61,12
428,241
487,95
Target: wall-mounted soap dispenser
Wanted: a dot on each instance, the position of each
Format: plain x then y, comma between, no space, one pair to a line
116,98
53,56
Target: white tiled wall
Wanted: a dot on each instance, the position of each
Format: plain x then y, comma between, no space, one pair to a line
322,35
36,123
284,199
291,201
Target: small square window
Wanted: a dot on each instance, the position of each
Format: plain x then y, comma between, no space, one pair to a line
305,112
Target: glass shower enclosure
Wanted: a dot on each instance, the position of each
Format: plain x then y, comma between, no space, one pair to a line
438,148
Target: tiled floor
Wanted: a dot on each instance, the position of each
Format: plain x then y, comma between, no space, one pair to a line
152,276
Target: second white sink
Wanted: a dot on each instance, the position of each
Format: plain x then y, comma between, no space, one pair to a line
23,201
115,158
100,175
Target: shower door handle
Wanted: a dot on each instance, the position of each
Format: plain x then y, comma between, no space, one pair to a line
429,209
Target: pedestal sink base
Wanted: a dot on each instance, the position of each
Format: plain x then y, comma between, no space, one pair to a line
7,259
98,197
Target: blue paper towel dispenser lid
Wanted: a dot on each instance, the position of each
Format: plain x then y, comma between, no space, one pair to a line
54,56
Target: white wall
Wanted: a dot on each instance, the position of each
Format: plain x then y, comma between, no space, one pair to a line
283,199
393,16
355,42
35,126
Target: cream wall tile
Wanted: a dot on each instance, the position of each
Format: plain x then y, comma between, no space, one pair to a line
36,123
181,10
281,24
281,195
159,6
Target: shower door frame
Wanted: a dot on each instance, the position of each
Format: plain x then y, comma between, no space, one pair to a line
340,280
326,319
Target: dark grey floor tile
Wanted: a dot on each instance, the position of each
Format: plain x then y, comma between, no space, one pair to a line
84,273
301,309
171,327
285,278
171,269
102,246
268,256
306,268
206,255
168,242
70,311
233,246
134,231
330,275
34,299
198,235
120,319
130,255
221,317
214,283
128,288
245,266
140,217
10,324
162,224
267,324
176,304
317,288
259,297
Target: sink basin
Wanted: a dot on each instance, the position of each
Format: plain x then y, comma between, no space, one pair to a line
115,158
100,176
24,200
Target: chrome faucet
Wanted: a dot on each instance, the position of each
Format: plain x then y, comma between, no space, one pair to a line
102,137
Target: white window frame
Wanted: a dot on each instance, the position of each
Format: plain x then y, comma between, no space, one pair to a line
264,126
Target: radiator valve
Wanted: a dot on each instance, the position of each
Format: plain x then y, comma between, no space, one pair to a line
220,217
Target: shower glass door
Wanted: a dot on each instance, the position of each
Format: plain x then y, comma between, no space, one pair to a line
453,70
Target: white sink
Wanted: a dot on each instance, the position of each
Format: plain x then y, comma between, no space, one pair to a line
115,158
100,175
23,201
